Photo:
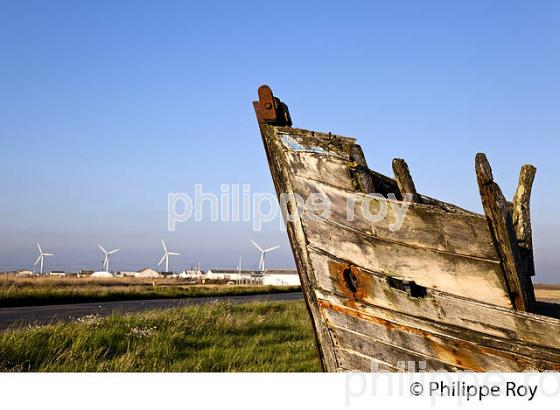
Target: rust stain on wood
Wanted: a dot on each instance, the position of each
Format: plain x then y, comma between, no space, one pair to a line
454,351
449,284
450,353
351,281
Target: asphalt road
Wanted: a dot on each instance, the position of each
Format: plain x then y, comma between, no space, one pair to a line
22,316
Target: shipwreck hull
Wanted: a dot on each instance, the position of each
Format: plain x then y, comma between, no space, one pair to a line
448,290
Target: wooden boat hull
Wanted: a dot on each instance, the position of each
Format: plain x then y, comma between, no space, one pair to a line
434,294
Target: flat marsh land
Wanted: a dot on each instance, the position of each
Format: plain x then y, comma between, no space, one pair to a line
548,293
16,291
215,337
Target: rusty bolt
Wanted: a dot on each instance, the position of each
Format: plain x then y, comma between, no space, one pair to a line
268,106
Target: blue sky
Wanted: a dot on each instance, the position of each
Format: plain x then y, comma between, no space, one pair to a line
107,106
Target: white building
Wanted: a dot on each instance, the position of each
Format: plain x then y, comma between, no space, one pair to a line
234,275
57,273
21,273
281,277
126,274
191,274
274,277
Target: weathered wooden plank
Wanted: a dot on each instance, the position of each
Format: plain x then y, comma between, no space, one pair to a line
506,344
491,325
440,352
521,216
375,344
501,225
282,182
332,159
333,171
423,225
326,145
353,361
473,278
404,180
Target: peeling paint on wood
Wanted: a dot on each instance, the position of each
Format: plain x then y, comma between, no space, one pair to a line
449,289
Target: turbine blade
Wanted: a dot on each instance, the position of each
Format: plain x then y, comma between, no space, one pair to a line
257,246
173,253
48,254
162,259
39,247
113,251
271,249
38,259
102,248
164,246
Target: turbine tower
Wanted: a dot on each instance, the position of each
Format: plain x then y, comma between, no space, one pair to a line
166,255
263,254
41,257
107,254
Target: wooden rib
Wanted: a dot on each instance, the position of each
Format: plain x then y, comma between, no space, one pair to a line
404,180
364,181
501,225
521,216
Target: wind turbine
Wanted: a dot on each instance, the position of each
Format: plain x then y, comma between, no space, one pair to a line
106,260
41,257
263,254
166,255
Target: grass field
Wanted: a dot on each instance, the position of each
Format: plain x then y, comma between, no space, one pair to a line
45,291
213,337
217,337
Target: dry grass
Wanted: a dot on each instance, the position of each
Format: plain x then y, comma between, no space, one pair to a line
44,291
548,293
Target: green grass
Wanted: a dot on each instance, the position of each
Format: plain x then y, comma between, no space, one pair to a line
217,337
48,291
